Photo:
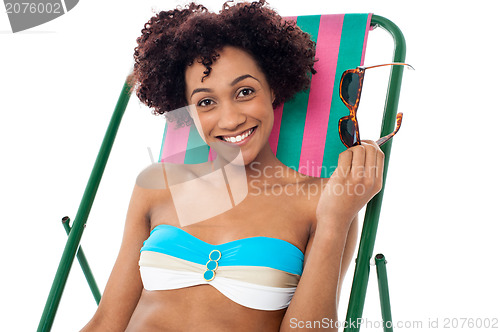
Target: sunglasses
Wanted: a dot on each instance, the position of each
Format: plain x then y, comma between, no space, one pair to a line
351,84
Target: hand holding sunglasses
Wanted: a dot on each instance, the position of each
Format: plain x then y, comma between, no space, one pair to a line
351,84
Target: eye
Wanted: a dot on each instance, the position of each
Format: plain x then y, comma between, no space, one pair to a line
205,102
245,92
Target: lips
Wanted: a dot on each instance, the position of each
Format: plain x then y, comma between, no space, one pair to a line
239,137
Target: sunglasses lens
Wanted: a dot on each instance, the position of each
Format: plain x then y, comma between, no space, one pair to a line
350,87
348,132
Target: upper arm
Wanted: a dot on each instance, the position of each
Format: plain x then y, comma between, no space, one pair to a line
124,286
349,247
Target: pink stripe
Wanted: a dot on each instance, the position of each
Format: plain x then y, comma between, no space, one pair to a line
278,112
320,96
368,24
211,154
174,149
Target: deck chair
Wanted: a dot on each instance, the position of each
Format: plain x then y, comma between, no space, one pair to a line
304,137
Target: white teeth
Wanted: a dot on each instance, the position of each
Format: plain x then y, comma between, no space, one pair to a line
238,138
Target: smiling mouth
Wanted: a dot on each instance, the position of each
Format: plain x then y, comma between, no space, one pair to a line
237,138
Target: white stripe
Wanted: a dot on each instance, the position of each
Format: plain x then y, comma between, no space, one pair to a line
244,293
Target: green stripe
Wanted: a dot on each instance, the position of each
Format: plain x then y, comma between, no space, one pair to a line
350,51
294,111
196,149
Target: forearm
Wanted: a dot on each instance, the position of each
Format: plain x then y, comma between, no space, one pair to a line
316,296
96,324
112,317
101,323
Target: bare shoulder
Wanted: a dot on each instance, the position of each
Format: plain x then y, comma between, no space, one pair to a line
159,176
152,177
153,191
153,183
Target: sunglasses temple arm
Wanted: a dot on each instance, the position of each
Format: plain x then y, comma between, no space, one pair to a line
385,139
382,140
392,64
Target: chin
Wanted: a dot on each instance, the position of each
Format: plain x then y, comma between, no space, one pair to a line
235,154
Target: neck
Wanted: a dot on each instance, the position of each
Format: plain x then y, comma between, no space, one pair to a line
263,165
265,169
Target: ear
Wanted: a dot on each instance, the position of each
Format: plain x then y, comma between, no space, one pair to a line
273,97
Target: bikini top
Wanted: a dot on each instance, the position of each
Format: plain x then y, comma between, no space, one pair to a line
256,272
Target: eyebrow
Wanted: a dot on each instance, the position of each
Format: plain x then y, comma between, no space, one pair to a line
234,82
241,78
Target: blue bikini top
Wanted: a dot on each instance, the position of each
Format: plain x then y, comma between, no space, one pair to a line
257,272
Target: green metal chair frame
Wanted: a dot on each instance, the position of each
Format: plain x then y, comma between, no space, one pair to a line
368,234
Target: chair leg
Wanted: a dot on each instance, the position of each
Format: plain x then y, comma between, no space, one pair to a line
74,237
84,265
354,315
383,288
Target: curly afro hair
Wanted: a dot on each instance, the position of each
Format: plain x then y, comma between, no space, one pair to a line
172,40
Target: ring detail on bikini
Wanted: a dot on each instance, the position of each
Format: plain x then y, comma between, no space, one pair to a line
212,265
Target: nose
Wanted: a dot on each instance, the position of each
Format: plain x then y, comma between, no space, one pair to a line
230,117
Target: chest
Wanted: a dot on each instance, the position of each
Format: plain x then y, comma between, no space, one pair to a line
273,212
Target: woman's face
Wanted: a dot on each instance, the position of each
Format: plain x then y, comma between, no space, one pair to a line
234,103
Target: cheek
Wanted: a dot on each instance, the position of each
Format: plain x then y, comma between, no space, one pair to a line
266,113
204,124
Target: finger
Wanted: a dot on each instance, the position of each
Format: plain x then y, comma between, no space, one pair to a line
370,160
380,165
370,153
344,164
372,146
358,160
368,142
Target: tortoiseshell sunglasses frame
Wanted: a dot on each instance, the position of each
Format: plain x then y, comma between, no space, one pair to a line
360,72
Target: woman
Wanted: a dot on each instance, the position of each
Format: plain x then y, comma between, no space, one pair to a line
233,67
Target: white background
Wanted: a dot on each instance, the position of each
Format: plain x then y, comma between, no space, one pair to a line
439,223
